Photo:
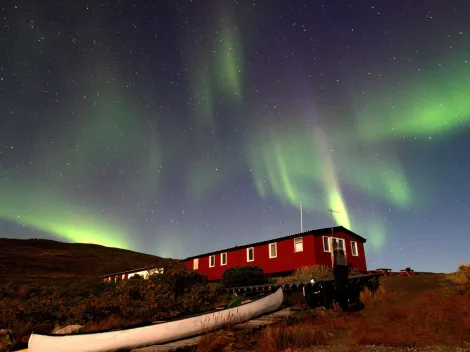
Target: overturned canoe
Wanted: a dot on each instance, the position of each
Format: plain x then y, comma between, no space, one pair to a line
154,334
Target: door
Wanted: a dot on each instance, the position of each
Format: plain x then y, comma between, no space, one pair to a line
341,244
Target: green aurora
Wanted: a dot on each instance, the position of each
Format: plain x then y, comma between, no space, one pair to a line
216,70
291,162
43,210
433,102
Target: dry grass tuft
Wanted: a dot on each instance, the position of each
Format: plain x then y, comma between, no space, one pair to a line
301,335
461,276
307,272
217,341
371,298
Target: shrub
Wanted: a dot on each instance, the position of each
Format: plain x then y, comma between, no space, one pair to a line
179,279
187,291
136,277
176,292
307,272
243,276
461,277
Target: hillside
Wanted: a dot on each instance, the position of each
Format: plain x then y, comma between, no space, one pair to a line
47,261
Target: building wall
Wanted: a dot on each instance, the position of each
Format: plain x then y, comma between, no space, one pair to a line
287,260
324,258
146,273
124,276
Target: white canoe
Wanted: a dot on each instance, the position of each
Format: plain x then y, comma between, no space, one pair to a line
154,334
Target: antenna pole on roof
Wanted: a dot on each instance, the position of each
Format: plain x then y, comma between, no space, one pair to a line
301,219
332,211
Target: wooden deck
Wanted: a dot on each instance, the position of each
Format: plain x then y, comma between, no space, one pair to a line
255,323
296,285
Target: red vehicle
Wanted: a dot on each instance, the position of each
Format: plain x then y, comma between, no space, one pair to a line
284,254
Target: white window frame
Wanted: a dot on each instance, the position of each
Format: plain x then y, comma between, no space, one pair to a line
354,247
195,263
340,240
275,250
248,254
301,245
329,241
222,255
210,261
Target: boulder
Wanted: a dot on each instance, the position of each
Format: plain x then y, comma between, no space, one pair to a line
69,329
7,340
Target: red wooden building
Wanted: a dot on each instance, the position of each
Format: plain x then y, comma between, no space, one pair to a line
284,254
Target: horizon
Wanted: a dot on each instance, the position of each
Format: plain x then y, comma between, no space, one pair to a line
369,267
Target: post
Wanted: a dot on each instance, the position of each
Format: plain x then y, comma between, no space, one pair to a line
332,232
301,219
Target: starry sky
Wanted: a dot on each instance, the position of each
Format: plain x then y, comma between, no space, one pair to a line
179,127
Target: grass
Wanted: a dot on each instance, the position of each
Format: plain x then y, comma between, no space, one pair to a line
281,336
432,319
407,312
424,310
216,341
306,273
111,322
394,317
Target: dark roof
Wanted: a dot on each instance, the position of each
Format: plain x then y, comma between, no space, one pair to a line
317,232
132,271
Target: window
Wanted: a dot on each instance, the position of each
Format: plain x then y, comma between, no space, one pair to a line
223,259
326,244
354,248
250,254
196,263
341,243
211,261
272,250
298,244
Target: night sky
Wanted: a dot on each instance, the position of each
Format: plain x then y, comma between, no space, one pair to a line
179,127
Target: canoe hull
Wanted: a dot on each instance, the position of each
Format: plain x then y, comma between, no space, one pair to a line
154,334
